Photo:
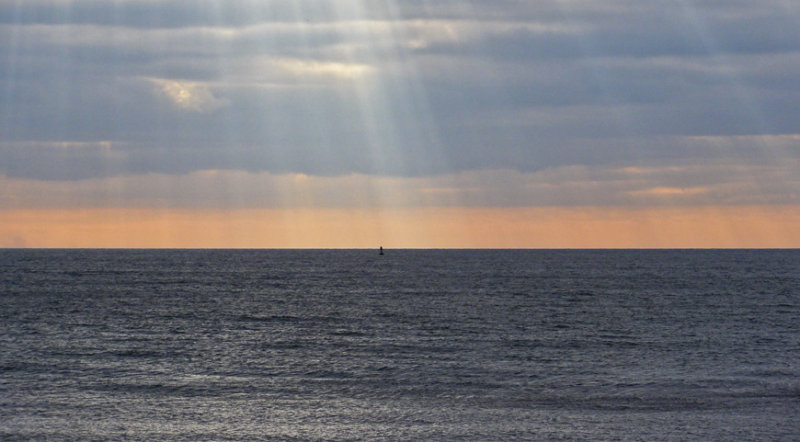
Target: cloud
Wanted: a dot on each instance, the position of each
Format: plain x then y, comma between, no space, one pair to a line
322,69
188,96
734,181
420,121
488,103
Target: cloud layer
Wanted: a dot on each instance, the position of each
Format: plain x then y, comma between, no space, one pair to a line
403,103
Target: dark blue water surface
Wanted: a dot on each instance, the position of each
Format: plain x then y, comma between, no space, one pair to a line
412,345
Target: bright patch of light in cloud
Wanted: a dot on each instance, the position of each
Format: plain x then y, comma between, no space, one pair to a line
190,96
322,69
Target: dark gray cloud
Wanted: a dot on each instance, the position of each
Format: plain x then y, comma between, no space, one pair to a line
403,88
162,13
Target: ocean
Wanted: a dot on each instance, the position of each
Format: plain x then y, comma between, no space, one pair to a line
413,345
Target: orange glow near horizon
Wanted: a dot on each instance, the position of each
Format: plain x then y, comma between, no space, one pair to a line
580,227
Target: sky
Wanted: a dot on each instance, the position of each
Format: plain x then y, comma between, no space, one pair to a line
402,123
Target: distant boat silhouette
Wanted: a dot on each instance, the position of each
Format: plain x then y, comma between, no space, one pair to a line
381,251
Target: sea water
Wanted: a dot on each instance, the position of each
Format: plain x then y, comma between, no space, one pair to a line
411,345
